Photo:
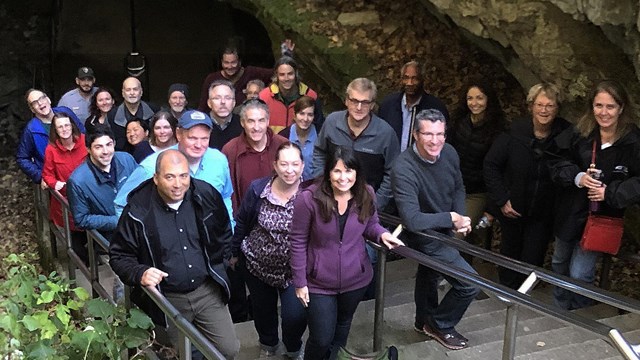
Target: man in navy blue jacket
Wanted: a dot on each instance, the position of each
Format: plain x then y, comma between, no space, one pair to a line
400,108
92,187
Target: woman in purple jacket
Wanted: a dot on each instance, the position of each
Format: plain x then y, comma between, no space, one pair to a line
331,270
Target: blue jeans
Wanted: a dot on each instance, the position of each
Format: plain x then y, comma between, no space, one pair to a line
264,300
448,313
329,319
570,260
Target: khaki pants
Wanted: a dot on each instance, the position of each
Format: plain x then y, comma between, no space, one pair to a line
204,308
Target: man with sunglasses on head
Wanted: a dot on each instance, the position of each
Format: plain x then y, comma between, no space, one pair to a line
35,137
373,140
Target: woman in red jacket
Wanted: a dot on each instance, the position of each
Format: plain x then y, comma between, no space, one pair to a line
65,152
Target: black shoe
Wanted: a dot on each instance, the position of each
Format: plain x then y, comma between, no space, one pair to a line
451,340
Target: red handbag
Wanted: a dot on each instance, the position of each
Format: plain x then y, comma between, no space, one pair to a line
602,233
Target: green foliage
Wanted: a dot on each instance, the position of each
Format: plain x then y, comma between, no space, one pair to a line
45,317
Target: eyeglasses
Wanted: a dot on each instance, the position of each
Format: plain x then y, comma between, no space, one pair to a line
220,98
547,107
39,100
430,135
63,126
356,102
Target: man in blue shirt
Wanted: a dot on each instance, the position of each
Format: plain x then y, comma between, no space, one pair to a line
210,165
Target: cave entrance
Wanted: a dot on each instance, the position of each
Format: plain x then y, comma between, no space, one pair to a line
181,42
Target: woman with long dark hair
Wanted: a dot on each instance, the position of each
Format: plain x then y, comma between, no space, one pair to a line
331,269
474,126
608,129
102,101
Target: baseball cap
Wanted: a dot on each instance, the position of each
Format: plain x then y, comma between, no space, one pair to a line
192,118
85,72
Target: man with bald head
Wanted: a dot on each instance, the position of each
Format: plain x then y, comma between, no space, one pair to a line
132,107
172,235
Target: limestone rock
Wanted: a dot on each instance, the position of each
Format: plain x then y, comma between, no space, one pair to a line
369,17
572,43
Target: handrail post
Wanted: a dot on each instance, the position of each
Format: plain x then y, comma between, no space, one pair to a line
605,279
93,263
510,329
378,322
511,323
67,232
43,230
184,347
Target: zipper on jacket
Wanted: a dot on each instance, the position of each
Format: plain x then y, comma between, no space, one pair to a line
153,261
206,254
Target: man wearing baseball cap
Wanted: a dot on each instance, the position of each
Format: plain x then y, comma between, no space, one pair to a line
205,163
79,99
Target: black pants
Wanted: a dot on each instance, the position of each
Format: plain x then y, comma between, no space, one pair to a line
239,303
525,239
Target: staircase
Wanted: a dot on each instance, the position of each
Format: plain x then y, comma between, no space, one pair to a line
539,337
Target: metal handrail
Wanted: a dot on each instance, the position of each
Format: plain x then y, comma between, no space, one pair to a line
587,290
185,327
512,297
189,334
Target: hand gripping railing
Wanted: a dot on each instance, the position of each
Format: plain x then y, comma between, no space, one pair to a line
512,298
188,334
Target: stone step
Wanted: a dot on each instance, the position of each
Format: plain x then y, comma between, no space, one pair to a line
588,350
554,338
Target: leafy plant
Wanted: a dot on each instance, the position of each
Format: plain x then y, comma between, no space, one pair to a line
45,317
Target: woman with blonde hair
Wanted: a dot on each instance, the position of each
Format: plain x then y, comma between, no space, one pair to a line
518,182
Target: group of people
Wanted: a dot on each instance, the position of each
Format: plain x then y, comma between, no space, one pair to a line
255,190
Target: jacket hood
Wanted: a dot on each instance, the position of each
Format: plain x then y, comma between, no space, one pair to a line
302,88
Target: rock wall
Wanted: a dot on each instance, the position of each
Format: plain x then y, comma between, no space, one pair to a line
572,43
25,30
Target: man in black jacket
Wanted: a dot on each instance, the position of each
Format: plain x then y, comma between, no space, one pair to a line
172,234
399,109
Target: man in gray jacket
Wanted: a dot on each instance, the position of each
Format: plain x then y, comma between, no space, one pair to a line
372,139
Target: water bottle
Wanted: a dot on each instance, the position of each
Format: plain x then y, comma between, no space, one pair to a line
483,223
596,174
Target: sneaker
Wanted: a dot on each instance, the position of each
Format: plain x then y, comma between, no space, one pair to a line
264,353
295,355
451,340
268,351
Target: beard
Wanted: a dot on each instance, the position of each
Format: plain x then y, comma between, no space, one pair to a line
85,92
